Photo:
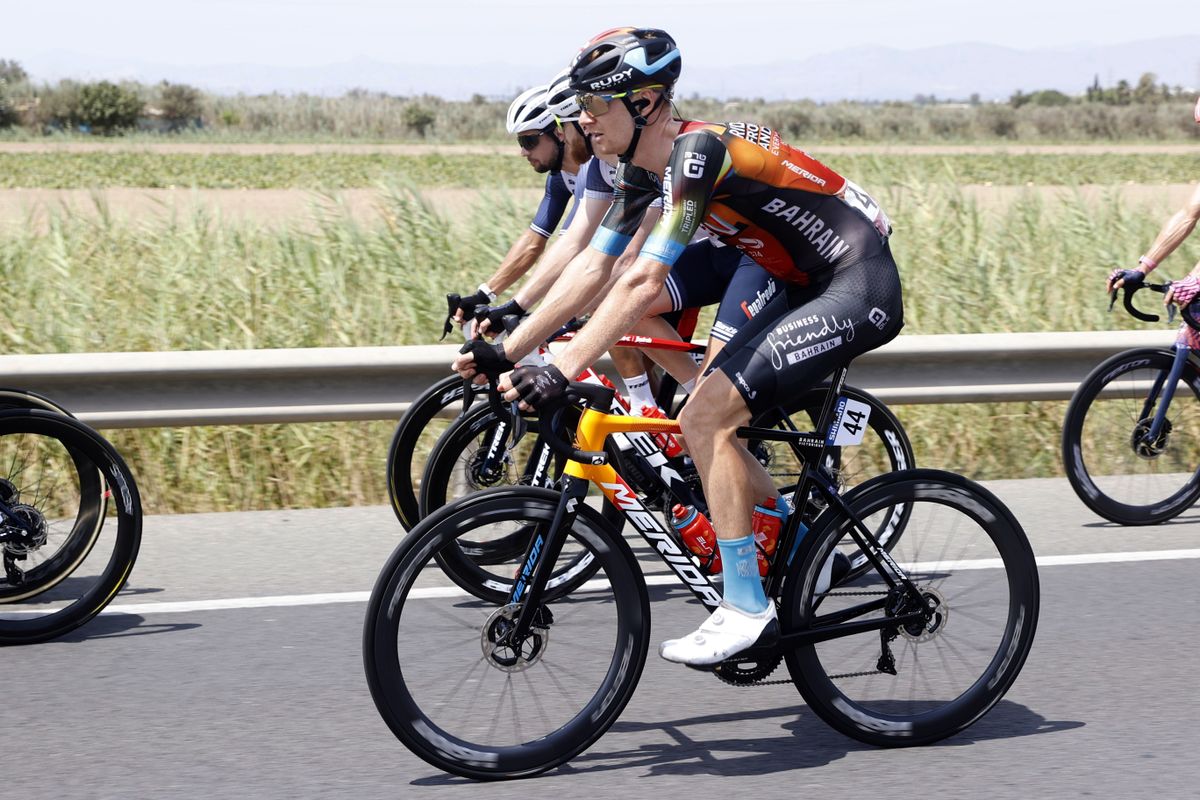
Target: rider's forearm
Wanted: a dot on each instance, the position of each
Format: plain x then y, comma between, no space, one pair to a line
584,277
569,245
549,270
619,312
521,256
1178,227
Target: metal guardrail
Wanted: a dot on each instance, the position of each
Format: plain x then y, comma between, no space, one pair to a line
233,387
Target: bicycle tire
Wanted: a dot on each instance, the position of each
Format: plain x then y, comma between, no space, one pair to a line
89,516
1148,484
467,563
407,624
402,479
25,622
980,554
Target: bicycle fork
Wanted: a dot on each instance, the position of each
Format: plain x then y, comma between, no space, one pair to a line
1168,391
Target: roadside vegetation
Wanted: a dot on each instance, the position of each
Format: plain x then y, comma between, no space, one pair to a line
99,281
333,171
1146,110
200,284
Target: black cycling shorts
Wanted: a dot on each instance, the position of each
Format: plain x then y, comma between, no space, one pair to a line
705,274
806,332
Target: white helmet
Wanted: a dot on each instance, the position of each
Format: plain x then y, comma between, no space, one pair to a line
528,112
561,98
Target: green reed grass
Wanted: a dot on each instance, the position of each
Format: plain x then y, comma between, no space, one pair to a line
94,283
63,170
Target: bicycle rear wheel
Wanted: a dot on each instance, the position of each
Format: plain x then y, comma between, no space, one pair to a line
459,695
916,683
61,563
1111,464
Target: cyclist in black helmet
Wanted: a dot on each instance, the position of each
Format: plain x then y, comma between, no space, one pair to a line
821,235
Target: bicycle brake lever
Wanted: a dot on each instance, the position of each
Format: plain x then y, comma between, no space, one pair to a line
468,396
1171,313
1112,300
519,426
452,300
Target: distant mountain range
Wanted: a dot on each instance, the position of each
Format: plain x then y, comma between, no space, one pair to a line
862,73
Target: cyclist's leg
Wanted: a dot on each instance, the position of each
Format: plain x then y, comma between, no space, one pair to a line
775,355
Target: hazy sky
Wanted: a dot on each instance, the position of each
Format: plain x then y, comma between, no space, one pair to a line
313,32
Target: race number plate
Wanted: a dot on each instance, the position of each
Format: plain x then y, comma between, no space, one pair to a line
849,423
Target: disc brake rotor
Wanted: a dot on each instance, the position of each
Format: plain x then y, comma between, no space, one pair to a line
509,656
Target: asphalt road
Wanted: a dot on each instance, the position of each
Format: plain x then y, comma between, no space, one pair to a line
232,666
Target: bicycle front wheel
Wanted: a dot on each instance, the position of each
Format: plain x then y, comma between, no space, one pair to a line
61,563
460,694
415,436
1118,469
976,587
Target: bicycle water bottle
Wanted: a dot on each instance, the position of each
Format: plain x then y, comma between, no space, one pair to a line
766,523
697,533
666,441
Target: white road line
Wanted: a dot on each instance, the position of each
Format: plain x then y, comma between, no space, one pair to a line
280,601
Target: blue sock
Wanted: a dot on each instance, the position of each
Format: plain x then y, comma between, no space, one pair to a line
783,507
739,568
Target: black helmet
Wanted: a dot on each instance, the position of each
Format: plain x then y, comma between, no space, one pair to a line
621,59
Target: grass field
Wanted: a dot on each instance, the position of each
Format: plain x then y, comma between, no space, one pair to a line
96,282
332,171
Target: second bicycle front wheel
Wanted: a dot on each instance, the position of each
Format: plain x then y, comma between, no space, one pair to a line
1113,462
970,615
460,695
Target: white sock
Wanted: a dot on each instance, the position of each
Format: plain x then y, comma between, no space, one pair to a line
639,391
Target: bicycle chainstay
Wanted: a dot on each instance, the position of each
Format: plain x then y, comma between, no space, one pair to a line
782,681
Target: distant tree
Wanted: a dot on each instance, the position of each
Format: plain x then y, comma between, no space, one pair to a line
106,107
419,118
8,112
12,72
181,104
1146,90
1122,95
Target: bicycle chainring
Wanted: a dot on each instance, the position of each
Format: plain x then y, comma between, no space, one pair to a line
746,672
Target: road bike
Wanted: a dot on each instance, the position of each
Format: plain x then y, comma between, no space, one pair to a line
916,647
475,453
70,520
1131,437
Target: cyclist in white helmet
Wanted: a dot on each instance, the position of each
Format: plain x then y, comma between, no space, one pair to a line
549,148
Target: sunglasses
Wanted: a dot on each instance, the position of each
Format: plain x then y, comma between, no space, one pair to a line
597,104
528,141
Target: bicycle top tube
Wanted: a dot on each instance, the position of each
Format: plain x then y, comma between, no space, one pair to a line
647,342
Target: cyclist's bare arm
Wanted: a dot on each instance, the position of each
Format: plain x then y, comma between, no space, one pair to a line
1176,229
521,256
624,307
627,259
570,244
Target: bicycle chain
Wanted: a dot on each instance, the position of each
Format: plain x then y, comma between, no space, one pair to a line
781,681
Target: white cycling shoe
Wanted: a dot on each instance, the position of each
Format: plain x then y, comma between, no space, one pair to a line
727,632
